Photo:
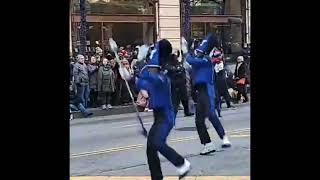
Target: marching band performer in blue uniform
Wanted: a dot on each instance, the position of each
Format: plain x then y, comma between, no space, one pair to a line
158,85
203,77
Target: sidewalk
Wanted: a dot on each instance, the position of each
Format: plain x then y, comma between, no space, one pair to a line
118,110
128,114
115,110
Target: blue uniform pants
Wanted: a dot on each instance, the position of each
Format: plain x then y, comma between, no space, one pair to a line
206,108
157,143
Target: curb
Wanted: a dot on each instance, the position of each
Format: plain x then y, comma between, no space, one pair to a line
126,116
114,111
109,118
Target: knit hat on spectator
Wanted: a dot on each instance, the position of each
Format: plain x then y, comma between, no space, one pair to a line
240,59
217,54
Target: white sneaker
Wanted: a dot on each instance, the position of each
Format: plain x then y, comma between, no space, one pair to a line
104,107
207,125
208,148
109,106
225,142
184,169
148,110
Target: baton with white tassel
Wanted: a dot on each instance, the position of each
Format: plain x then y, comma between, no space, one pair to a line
126,76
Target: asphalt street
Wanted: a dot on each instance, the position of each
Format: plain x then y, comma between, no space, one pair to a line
112,146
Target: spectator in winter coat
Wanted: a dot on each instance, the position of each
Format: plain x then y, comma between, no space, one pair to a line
93,84
106,84
81,78
143,91
129,54
241,79
71,71
115,68
98,49
221,79
177,75
125,96
141,85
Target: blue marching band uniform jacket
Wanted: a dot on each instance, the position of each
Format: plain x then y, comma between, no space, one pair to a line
203,73
158,86
203,68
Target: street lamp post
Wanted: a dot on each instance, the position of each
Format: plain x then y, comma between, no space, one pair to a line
83,27
186,22
70,27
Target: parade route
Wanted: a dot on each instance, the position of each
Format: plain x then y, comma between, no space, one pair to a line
106,150
166,178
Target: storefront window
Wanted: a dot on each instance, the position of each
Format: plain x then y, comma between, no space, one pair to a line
200,30
206,7
222,31
123,33
94,32
197,30
108,7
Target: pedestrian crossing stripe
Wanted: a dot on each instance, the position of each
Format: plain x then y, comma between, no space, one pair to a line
165,178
